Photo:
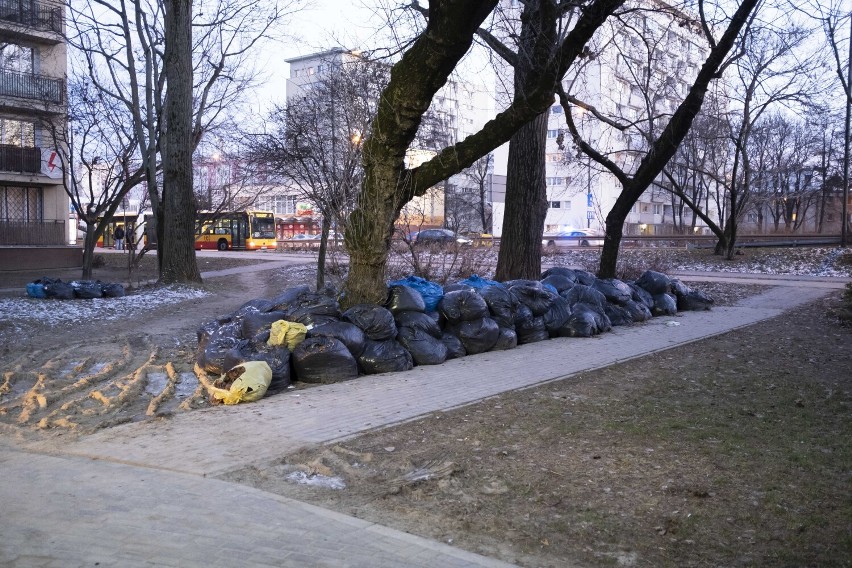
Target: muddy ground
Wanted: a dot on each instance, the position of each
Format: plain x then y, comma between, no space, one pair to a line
733,451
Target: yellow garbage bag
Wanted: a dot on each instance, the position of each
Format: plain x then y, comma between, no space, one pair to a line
246,382
287,333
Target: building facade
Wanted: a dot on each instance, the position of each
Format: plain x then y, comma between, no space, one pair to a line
34,208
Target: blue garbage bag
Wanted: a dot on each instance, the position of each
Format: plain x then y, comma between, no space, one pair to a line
477,282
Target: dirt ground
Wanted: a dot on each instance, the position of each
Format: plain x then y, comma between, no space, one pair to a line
733,451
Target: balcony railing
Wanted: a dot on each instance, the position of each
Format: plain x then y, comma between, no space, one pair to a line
20,160
32,233
32,14
32,86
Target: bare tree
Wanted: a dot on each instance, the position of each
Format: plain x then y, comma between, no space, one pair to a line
479,176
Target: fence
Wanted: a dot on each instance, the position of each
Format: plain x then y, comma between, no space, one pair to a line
32,233
32,14
32,86
20,160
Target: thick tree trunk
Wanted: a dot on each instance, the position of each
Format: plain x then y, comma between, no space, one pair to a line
178,247
323,251
526,203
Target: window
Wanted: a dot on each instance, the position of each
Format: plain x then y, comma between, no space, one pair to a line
17,133
658,209
554,204
556,109
566,205
554,181
21,204
554,133
15,57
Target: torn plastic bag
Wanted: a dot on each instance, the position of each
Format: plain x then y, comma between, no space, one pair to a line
86,289
430,291
283,300
384,357
536,297
508,339
247,382
476,282
558,282
501,305
654,282
287,333
556,316
455,349
424,348
349,334
617,314
376,322
614,290
664,305
641,295
694,301
405,299
253,321
639,312
260,305
112,290
477,336
323,360
462,305
420,321
585,294
276,356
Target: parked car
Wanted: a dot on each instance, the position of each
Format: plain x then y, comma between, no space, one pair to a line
441,237
302,237
573,238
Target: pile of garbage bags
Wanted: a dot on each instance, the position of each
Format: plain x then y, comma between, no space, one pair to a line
81,289
304,335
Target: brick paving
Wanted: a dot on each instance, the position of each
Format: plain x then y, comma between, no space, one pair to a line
142,494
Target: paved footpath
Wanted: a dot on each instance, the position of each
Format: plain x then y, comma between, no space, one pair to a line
143,494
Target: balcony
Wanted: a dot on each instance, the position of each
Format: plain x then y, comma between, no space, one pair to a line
31,15
31,86
20,160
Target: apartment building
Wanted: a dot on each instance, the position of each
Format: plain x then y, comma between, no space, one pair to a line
638,70
34,208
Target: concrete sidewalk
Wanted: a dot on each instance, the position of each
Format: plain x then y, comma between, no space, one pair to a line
143,494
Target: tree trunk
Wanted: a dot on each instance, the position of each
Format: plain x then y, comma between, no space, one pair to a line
178,247
323,251
526,203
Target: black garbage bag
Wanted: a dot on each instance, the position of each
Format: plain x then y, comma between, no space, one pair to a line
654,282
405,299
313,320
501,305
561,283
641,295
639,312
348,333
283,300
212,356
276,356
614,290
556,316
207,329
387,356
462,305
537,298
58,290
560,271
582,323
252,321
455,287
529,328
694,301
679,288
618,314
323,360
601,319
508,339
522,282
257,305
376,322
112,290
418,320
477,336
313,303
455,348
86,289
664,305
584,277
581,293
425,349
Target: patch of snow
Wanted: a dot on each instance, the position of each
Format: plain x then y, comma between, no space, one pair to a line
316,480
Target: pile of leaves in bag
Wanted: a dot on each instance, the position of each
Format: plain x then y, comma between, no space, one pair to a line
56,289
303,335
